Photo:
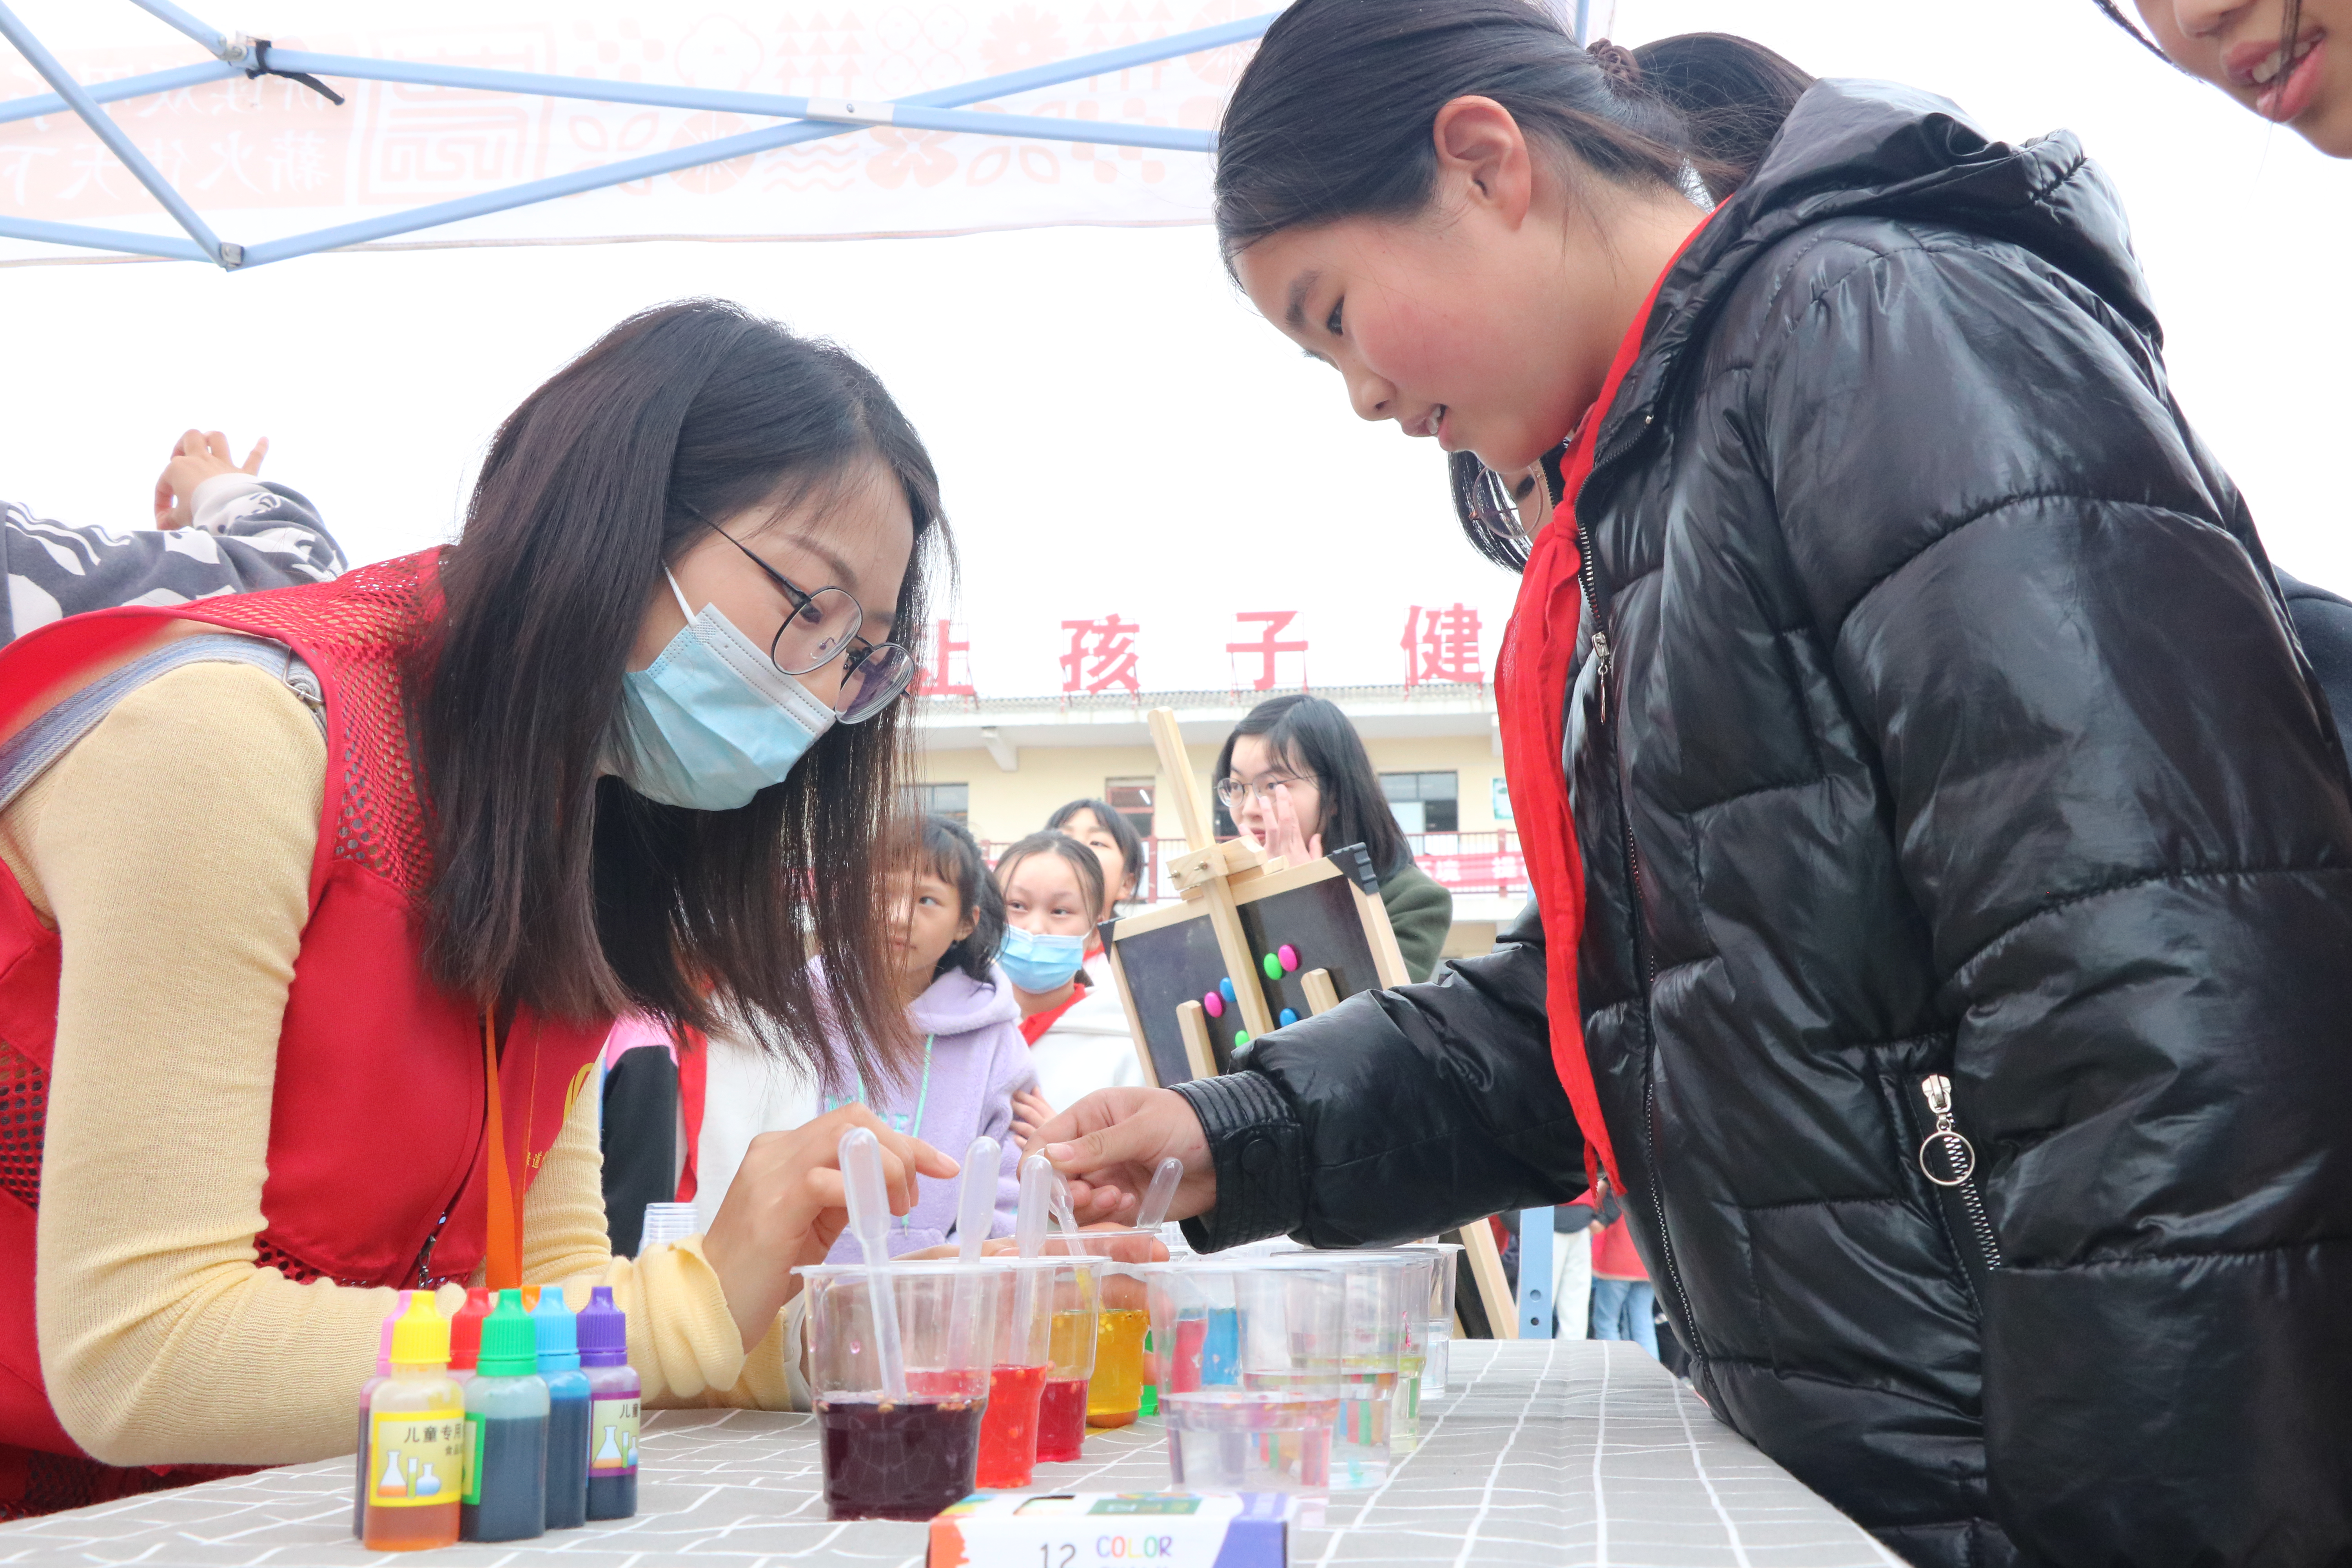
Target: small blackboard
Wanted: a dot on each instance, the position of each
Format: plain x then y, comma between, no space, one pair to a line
1169,956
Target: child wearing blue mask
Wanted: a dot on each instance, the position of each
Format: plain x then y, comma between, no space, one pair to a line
945,932
1078,1034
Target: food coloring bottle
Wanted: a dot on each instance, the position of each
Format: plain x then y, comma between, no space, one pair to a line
567,1414
612,1394
367,1393
417,1438
506,1419
466,1335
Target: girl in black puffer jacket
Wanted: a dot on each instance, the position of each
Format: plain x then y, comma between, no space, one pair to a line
1958,910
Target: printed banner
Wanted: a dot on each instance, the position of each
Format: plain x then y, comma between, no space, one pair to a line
263,159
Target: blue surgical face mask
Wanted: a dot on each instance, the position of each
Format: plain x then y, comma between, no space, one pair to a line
712,721
1037,962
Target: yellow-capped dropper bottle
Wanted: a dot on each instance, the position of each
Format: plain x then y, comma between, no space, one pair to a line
417,1438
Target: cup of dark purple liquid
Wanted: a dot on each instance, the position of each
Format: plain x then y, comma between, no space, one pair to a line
905,1448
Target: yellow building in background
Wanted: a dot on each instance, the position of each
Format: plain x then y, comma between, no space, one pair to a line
1002,765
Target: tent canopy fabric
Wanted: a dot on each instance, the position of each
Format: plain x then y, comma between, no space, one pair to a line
511,122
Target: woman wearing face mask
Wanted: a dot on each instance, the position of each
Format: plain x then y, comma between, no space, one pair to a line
1294,776
583,761
1077,1033
1943,854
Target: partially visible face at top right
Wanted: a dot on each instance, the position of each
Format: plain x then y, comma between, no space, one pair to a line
2236,45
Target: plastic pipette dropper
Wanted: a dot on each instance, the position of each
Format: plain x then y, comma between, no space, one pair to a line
976,1203
1037,1181
869,1220
1162,1194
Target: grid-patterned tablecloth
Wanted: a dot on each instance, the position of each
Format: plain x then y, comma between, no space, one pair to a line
1564,1454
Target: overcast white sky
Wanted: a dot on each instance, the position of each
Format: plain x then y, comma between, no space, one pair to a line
1116,430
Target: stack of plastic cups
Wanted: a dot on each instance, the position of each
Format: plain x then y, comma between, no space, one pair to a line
1022,1362
1075,1312
1252,1374
1115,1393
666,1222
900,1441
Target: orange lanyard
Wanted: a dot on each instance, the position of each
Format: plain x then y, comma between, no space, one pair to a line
502,1259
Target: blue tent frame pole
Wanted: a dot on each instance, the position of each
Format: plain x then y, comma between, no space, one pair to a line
39,104
841,112
811,120
108,132
1536,1303
1583,20
170,246
170,15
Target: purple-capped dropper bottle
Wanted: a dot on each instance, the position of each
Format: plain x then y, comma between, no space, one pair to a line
613,1393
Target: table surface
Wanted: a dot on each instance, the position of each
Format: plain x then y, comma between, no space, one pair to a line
1567,1454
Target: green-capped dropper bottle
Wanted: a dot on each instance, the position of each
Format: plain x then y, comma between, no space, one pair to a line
506,1415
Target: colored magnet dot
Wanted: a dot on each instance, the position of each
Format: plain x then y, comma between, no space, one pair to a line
1214,1006
1273,967
1287,1016
1225,988
1290,956
1241,1038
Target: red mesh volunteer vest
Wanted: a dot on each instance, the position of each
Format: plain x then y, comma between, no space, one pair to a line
378,1167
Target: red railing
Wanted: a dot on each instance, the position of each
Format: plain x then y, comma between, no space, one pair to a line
1487,862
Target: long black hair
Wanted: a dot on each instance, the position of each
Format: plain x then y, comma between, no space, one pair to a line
1333,120
568,892
1310,735
948,850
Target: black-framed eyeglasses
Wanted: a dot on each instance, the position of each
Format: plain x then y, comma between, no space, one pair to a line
823,626
1233,792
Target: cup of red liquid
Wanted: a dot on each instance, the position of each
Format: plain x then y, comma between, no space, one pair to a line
1070,1352
906,1451
1023,1362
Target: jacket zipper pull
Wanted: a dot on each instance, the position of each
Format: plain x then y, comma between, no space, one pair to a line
1600,662
1961,1156
1958,1152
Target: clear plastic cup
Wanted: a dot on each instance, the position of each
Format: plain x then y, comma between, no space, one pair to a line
1062,1408
910,1453
1019,1363
1115,1393
1376,1339
1439,1341
1251,1374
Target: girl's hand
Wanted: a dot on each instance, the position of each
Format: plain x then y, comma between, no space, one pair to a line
788,1204
1030,1112
1110,1144
196,457
1284,836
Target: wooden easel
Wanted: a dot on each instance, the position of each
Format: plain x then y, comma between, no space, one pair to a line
1223,877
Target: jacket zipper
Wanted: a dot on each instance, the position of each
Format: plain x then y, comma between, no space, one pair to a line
1603,659
1950,1161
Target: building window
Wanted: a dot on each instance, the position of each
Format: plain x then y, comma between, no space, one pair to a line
1424,803
942,799
1132,798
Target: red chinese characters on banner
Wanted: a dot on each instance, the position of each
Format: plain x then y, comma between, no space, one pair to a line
939,675
1101,655
1267,647
1441,646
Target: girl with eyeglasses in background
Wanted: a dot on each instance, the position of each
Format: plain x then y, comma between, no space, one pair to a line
1294,776
629,744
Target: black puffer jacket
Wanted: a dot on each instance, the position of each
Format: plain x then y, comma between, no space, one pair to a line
1955,729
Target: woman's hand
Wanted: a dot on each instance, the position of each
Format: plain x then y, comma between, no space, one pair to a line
196,457
1031,1111
1285,835
1109,1145
788,1204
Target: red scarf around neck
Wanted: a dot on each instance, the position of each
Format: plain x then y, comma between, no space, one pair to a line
1531,702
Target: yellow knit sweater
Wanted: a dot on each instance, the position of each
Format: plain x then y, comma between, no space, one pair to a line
172,848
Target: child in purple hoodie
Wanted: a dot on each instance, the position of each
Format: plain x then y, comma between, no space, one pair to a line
949,923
